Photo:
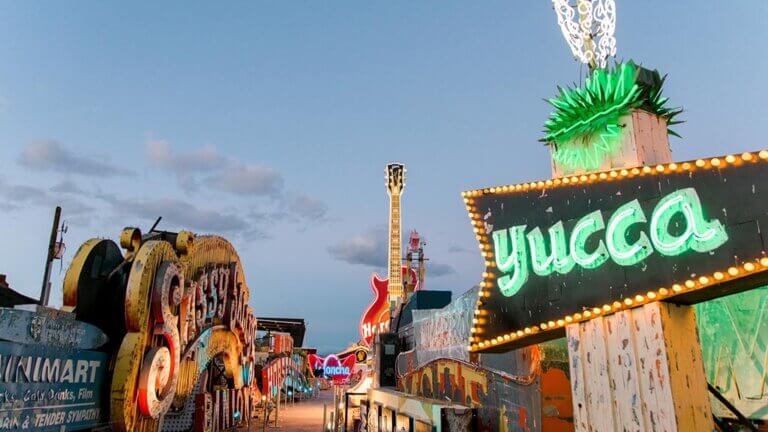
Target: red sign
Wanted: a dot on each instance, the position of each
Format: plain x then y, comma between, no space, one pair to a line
376,317
333,368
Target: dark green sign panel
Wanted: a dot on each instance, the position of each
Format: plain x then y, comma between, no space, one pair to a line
586,245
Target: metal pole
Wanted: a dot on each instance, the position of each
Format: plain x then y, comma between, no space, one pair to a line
46,290
325,417
333,418
277,413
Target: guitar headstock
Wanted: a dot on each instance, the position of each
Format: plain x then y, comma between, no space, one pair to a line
395,178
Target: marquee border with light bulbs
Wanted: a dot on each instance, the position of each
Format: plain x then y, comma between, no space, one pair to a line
684,291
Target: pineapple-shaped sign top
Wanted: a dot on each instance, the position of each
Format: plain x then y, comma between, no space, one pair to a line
591,34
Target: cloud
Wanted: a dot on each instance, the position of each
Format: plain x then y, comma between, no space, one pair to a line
306,207
178,214
242,179
219,172
21,196
67,187
185,166
368,249
438,270
50,155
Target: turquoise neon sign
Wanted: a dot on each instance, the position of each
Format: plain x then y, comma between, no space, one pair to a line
518,253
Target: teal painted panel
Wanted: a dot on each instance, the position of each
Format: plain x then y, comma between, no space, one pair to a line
734,342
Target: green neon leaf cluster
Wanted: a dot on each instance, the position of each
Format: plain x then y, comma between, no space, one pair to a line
585,129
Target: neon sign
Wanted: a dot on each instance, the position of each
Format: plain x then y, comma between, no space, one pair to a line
332,367
514,249
565,250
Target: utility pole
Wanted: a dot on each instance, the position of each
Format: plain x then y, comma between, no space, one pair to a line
45,293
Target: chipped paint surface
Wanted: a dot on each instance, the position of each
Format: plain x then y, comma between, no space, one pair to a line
185,306
639,370
503,401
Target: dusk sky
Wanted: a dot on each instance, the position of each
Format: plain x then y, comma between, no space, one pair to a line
270,123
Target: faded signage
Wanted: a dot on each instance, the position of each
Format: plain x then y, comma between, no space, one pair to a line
49,327
443,333
49,389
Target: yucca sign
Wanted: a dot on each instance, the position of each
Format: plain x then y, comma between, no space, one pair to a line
514,249
565,250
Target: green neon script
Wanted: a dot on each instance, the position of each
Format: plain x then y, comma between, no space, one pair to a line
677,225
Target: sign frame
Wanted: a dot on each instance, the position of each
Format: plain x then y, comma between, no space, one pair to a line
749,272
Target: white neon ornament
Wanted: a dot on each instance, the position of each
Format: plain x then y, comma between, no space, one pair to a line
591,38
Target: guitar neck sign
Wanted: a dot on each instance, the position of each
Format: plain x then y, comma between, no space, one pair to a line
564,250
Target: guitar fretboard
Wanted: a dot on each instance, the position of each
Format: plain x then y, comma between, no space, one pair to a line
395,284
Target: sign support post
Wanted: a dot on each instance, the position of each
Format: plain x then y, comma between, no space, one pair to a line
639,369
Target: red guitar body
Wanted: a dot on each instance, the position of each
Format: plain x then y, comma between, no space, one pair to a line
376,317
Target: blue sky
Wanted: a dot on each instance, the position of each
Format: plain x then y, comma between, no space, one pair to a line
270,123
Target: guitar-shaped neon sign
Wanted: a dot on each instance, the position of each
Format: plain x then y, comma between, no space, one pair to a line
388,292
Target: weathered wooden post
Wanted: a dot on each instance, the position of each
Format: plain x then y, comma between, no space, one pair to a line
639,369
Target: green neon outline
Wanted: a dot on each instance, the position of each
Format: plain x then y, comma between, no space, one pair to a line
558,258
585,127
700,234
584,228
515,260
622,253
